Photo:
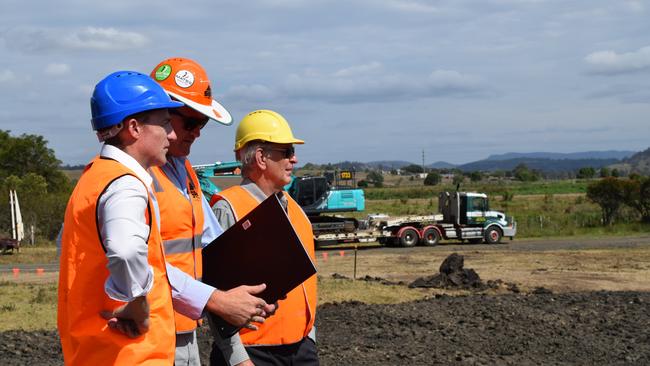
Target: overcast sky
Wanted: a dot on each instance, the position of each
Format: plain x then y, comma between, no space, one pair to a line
358,80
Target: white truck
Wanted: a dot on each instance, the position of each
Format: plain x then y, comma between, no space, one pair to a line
464,216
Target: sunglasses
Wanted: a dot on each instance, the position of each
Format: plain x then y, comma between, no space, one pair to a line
190,123
287,152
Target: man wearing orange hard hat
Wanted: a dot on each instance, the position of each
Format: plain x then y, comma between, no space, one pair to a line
187,221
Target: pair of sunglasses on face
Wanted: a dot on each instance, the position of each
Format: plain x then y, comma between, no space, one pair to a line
190,123
287,152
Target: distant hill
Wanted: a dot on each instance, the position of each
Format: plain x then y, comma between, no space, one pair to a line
544,165
637,163
388,164
611,154
359,166
441,165
549,162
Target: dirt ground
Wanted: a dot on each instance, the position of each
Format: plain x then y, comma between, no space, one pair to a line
594,328
564,323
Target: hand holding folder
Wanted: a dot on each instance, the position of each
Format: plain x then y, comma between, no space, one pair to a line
262,247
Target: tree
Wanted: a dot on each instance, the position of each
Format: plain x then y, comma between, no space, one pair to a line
636,194
524,174
413,169
28,166
608,194
376,178
605,172
458,179
30,154
432,179
475,176
586,173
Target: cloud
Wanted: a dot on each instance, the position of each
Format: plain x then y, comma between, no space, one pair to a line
57,69
7,76
250,93
612,63
372,83
31,39
630,93
412,6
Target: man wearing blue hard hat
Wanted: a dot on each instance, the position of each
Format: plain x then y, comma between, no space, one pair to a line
113,278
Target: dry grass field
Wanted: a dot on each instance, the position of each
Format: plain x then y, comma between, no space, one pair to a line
576,266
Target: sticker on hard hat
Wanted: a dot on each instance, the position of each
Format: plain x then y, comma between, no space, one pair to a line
163,72
184,78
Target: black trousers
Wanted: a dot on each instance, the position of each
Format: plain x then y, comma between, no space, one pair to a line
300,353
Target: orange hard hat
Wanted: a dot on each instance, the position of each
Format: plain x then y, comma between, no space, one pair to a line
185,80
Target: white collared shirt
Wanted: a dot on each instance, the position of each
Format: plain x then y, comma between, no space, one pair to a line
124,231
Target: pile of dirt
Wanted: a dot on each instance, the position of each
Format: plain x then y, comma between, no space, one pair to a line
593,328
452,275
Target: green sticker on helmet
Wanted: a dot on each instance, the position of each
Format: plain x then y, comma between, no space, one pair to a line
163,72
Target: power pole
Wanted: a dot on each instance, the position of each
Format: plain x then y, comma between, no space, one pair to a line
423,171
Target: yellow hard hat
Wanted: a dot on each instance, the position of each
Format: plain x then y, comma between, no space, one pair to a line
264,125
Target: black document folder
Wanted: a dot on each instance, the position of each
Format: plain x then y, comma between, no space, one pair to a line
262,247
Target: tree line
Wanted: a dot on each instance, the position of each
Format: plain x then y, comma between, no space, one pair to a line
30,168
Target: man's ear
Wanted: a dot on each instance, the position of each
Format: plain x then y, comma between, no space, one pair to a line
260,158
133,128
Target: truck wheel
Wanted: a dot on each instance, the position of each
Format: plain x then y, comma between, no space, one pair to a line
409,238
493,235
430,237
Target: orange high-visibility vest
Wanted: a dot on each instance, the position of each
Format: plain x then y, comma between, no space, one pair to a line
296,314
85,337
181,228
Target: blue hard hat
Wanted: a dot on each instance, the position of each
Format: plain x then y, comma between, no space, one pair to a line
125,93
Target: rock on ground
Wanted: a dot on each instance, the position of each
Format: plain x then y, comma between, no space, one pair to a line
595,328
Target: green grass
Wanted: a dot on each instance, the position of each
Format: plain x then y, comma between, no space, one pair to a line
338,290
27,306
30,254
565,213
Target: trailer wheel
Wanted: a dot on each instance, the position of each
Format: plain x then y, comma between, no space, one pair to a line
409,238
430,237
493,235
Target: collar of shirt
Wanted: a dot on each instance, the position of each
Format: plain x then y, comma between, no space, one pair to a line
112,152
257,192
175,170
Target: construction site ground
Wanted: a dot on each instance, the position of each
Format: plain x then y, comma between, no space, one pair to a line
568,301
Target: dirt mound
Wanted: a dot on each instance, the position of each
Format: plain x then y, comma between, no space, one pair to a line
596,328
451,275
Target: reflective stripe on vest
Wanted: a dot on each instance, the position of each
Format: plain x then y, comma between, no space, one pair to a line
181,228
85,337
296,314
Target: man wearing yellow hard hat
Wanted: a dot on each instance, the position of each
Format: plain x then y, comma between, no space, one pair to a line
187,222
264,146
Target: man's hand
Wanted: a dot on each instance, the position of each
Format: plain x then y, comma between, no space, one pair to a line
131,319
239,307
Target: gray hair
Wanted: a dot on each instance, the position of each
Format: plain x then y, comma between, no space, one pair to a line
246,156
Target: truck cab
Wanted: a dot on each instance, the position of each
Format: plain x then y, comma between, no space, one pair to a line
467,215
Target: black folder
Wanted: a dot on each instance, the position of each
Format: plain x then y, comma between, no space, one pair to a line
262,247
